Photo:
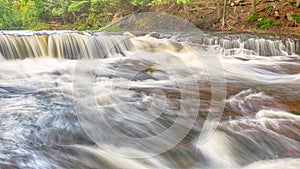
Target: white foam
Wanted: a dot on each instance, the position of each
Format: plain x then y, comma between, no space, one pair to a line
218,150
276,114
117,161
288,163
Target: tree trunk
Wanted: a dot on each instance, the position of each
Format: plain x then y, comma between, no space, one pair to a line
253,6
224,13
218,9
298,4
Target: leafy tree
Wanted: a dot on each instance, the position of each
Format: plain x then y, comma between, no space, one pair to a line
10,18
77,6
43,9
61,9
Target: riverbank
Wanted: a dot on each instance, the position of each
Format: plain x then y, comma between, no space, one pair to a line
272,17
280,17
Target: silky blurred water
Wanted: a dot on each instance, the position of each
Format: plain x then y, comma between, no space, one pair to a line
140,88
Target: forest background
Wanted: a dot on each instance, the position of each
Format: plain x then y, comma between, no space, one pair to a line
260,16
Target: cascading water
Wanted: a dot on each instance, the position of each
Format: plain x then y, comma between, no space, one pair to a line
250,45
67,45
134,80
62,45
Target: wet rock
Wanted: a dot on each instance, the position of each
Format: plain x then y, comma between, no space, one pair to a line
253,140
62,129
184,156
73,157
250,101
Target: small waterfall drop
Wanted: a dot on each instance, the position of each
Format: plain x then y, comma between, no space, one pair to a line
68,45
251,45
62,45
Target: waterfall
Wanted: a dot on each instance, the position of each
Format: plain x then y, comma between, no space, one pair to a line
250,45
71,44
62,45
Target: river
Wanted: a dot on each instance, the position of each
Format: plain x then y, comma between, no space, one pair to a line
87,100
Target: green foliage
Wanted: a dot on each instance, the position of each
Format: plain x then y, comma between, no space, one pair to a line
253,17
98,5
88,14
82,14
153,2
157,2
266,7
29,14
277,23
39,26
76,6
298,18
144,2
265,23
229,28
10,17
61,7
183,1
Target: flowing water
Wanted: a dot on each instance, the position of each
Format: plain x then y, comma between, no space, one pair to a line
141,86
